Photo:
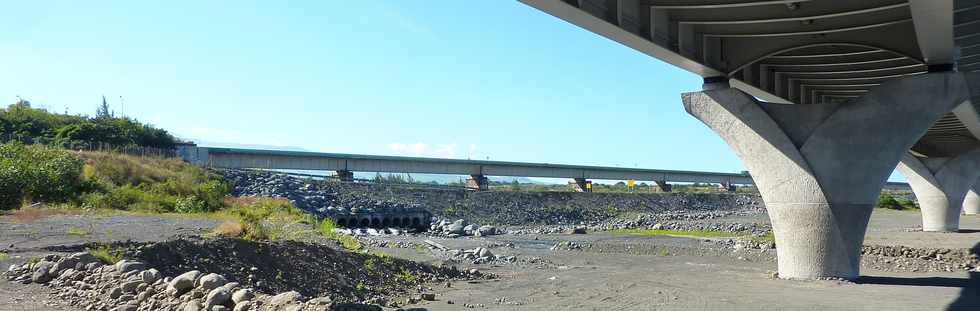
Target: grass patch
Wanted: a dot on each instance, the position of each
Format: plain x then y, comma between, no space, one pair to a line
4,256
258,219
76,231
28,214
406,276
105,254
768,237
326,228
693,233
229,228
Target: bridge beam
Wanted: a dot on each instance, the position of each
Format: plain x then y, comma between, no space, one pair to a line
345,176
971,204
478,182
820,168
940,185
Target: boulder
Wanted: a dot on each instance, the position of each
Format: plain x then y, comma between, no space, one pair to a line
281,301
42,272
242,295
184,282
124,266
217,296
486,230
211,281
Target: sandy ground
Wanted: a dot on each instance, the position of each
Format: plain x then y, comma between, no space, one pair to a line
631,272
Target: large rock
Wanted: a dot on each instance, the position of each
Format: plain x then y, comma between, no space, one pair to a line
150,276
211,281
282,301
245,294
42,272
184,282
124,266
217,296
486,230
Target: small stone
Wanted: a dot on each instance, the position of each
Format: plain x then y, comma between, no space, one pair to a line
115,293
428,296
130,286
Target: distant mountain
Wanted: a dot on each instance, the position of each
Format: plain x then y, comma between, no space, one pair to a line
204,143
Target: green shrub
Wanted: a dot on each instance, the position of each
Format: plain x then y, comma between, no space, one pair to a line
37,173
888,201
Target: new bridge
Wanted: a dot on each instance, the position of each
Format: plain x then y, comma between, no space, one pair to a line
822,99
346,164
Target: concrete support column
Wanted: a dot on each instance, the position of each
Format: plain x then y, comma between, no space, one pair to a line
820,168
581,185
940,185
345,176
664,186
971,204
478,182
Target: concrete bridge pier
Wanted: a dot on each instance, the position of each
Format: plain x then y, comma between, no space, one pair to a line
664,186
581,185
478,182
971,204
941,185
345,176
820,168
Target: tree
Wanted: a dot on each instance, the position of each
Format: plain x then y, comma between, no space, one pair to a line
103,111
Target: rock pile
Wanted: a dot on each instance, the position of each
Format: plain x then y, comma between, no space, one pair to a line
461,227
488,207
479,255
83,281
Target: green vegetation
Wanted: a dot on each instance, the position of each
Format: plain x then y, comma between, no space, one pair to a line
326,228
694,233
4,256
103,180
263,218
106,254
76,231
888,201
37,173
406,276
768,237
20,122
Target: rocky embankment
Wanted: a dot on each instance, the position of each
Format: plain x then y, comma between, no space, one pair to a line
232,274
485,207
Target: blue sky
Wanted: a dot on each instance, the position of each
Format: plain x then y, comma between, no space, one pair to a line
464,79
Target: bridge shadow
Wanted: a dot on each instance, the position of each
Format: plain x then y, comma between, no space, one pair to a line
969,298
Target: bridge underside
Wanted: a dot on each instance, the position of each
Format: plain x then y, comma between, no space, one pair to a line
847,88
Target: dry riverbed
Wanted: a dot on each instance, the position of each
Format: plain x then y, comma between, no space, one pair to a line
594,271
